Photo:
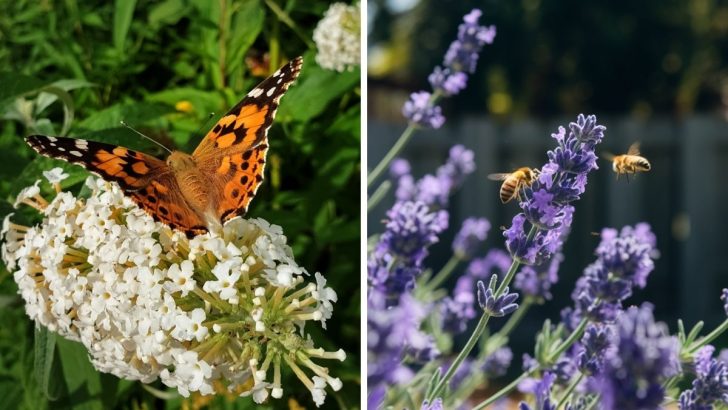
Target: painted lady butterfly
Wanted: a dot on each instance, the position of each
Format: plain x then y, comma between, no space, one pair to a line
191,193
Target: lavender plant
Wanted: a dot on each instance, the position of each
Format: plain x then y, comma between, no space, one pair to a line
600,354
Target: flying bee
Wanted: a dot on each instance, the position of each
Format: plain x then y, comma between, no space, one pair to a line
629,163
513,182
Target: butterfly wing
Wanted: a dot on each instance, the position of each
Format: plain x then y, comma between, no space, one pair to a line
233,152
145,179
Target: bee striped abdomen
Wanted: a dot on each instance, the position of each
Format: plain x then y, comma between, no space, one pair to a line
508,189
641,164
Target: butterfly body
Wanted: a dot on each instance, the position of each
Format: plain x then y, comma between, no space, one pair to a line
190,192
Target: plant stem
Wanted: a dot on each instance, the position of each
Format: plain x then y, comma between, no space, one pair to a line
479,329
393,152
514,319
443,274
286,19
502,392
378,195
570,389
573,337
482,324
709,337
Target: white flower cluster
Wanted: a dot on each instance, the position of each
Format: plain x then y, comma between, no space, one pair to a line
224,309
337,37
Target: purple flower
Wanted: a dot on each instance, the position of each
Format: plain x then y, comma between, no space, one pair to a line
399,168
594,346
420,111
411,228
435,189
546,203
496,306
496,261
460,163
497,363
471,235
458,310
711,384
624,260
542,391
448,82
393,333
644,355
536,280
724,298
436,405
463,52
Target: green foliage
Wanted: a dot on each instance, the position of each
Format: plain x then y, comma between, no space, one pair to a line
79,68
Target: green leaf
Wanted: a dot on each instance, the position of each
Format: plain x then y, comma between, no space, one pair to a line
83,382
123,13
44,348
315,90
167,12
34,171
16,85
67,105
132,113
246,24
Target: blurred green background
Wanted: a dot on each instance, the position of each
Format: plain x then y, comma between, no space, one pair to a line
653,71
78,68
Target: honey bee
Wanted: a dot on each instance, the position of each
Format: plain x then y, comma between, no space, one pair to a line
513,182
629,163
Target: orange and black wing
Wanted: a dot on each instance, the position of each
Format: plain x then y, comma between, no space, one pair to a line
233,152
143,178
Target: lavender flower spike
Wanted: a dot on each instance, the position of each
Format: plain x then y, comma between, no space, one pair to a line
724,298
547,202
435,405
419,111
711,385
644,356
501,306
471,235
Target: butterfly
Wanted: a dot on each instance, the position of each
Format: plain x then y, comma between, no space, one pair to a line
190,193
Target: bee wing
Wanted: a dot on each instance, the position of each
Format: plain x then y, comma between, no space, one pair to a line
634,149
608,156
499,176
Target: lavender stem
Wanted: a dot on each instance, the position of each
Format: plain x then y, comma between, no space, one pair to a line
479,329
378,195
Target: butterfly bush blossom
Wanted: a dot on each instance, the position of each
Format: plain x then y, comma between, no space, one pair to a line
337,37
148,303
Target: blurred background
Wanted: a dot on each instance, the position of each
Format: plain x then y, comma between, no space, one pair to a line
78,68
651,71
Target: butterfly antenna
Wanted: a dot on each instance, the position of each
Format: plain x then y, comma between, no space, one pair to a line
144,136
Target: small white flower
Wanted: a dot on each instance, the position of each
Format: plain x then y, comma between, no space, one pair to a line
27,193
337,37
181,276
324,296
317,392
55,176
137,295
